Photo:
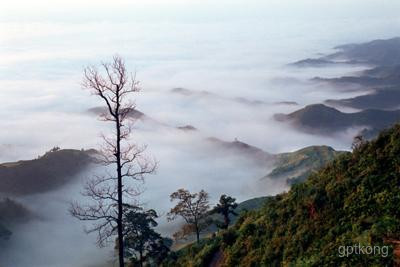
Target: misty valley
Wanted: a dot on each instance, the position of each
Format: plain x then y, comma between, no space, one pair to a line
237,137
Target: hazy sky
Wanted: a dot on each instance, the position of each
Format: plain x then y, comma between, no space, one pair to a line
229,48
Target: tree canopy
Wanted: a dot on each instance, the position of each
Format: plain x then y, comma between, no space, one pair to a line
142,242
225,207
193,208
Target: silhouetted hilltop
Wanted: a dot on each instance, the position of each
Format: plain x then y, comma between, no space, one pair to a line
136,114
384,80
384,55
48,172
293,167
250,102
384,72
321,119
187,128
344,81
384,77
316,117
386,83
385,99
204,93
380,77
377,52
240,148
187,92
322,62
289,103
313,62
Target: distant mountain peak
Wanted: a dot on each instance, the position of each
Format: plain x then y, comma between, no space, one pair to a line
321,119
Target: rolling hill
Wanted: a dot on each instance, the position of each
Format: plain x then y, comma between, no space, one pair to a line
385,99
48,172
352,201
239,148
377,52
135,114
293,167
296,166
385,52
321,119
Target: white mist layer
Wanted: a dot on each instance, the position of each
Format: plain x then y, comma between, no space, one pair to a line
232,49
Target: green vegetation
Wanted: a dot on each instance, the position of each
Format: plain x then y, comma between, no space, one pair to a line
297,166
251,204
143,245
194,209
225,207
213,219
353,200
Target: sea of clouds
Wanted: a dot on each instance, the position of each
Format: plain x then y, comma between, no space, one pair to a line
230,50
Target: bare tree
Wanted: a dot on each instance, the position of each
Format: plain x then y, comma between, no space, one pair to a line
108,193
193,208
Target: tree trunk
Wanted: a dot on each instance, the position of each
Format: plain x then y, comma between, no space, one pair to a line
226,221
197,233
141,258
119,171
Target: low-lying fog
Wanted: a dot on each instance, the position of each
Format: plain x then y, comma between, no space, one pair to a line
226,55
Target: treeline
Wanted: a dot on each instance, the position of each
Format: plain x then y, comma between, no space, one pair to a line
352,201
144,246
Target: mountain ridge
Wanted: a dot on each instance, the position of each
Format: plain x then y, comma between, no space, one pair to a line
353,200
48,172
321,119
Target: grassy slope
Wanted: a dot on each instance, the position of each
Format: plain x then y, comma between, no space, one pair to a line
294,167
355,199
297,166
383,98
247,205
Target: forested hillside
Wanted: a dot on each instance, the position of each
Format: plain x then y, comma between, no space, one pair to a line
353,200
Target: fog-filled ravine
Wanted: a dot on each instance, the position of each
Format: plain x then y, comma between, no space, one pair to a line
213,78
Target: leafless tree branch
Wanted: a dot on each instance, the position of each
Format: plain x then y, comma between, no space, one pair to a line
108,193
